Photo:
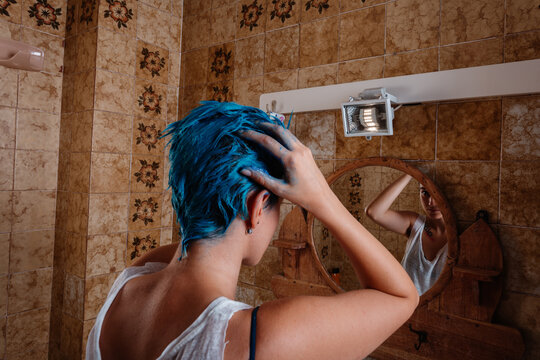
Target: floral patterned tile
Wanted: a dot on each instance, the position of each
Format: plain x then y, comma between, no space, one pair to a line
250,18
221,62
151,100
152,62
146,173
87,15
221,92
72,12
119,15
315,9
144,211
141,242
10,10
282,13
45,15
146,136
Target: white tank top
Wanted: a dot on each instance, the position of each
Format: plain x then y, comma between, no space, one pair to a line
424,273
203,339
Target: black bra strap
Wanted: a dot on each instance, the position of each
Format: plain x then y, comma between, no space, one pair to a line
252,334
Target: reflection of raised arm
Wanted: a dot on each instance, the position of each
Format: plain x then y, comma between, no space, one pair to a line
353,324
379,209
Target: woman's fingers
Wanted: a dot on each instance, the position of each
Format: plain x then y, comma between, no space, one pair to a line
287,138
265,180
279,150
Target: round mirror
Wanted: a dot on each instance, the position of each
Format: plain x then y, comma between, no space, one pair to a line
384,195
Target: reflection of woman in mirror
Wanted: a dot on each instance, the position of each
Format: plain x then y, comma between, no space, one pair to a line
426,250
231,166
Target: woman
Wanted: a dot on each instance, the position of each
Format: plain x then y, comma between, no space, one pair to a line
230,167
426,249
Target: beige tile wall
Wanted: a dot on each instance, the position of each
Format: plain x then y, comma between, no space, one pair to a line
484,154
29,148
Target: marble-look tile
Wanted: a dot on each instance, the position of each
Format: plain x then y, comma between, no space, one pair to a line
319,42
317,76
48,16
412,24
166,236
522,258
521,133
282,13
281,49
109,173
73,299
193,95
223,23
27,329
220,62
76,248
11,12
113,92
120,16
79,172
111,132
144,211
284,210
479,53
107,213
152,63
115,52
196,30
139,243
83,91
39,91
356,147
263,295
85,59
172,104
269,266
249,57
146,173
51,45
470,187
36,130
70,55
7,127
167,211
66,122
6,215
35,170
72,16
222,91
71,337
31,250
247,274
359,70
193,7
8,91
150,25
81,131
348,5
250,17
522,15
281,81
68,86
4,255
3,306
7,158
464,20
245,294
415,62
33,210
77,213
520,311
29,290
96,290
105,254
362,33
314,9
469,131
88,325
409,122
146,136
520,47
63,171
316,131
87,13
194,67
174,69
520,189
248,90
61,212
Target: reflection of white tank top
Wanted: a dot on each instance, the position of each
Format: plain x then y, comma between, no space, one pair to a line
424,273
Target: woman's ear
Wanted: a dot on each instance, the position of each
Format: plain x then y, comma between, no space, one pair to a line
256,203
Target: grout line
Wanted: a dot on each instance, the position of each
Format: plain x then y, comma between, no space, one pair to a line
501,127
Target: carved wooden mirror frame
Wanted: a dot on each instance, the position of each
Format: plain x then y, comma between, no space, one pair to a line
449,219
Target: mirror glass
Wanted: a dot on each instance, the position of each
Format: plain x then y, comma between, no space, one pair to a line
360,187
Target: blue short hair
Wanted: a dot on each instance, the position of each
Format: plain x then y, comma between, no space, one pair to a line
206,155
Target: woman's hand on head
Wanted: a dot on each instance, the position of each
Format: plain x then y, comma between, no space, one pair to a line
304,184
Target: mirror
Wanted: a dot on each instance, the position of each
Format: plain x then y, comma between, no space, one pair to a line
423,252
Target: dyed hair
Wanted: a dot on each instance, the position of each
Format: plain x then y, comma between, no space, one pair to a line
206,155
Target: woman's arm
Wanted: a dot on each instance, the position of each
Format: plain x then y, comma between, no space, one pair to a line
379,209
163,254
346,326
